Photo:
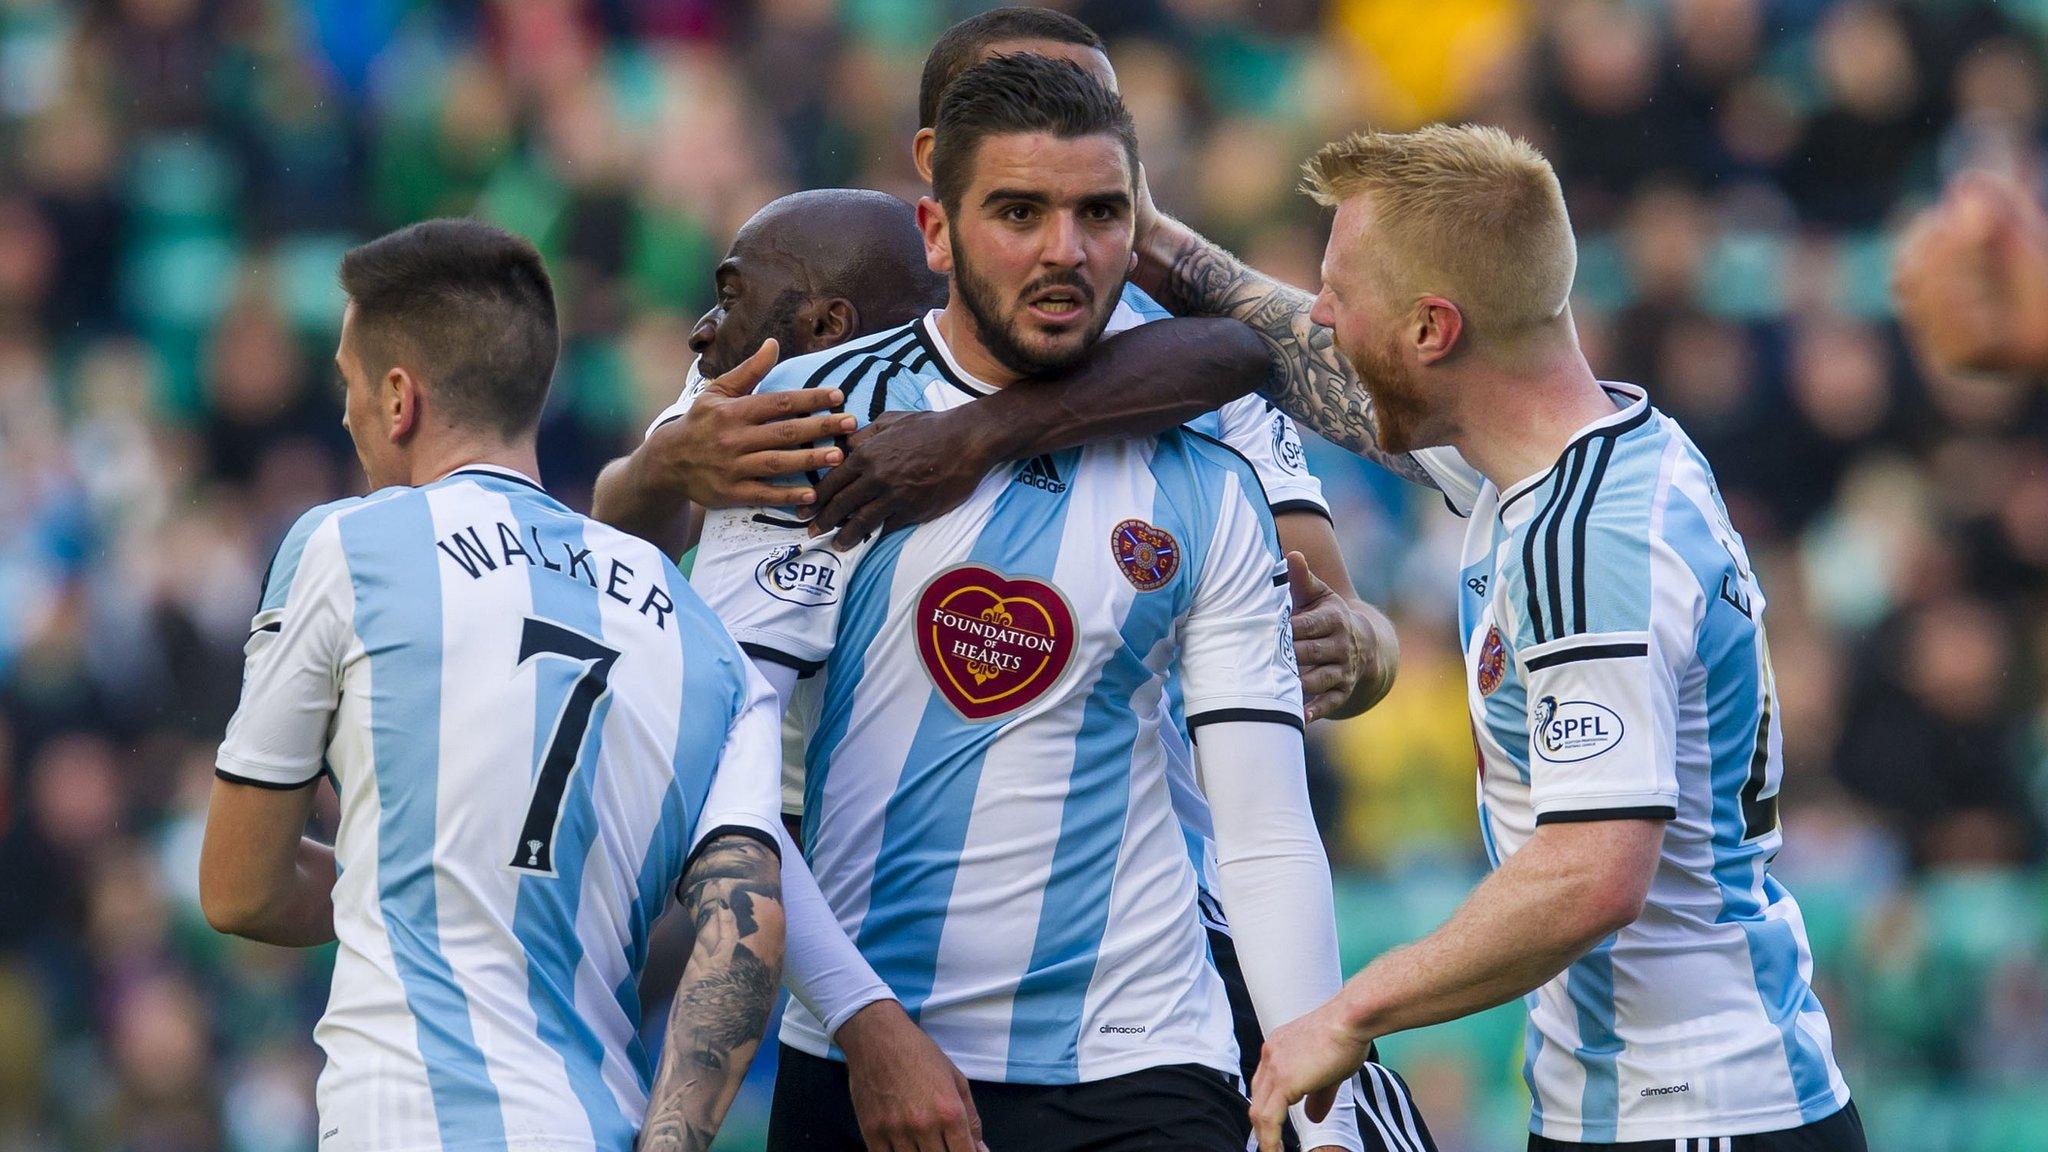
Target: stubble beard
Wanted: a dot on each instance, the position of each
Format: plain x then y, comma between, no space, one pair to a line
1000,337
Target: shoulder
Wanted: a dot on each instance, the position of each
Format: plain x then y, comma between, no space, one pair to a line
1135,306
313,538
1599,556
1209,458
833,367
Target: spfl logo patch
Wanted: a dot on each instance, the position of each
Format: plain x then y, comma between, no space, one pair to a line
807,577
1573,730
1493,661
1147,556
990,644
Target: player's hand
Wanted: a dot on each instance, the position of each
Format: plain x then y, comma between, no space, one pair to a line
1308,1057
907,1096
1345,649
725,449
905,468
1971,278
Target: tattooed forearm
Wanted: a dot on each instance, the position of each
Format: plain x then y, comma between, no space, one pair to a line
732,894
1311,380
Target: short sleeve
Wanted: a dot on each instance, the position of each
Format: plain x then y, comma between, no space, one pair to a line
1457,480
292,663
1267,438
693,387
1237,643
746,790
1603,697
778,590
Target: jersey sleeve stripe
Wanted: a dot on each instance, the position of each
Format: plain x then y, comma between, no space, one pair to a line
1589,652
1286,506
1249,715
267,785
1588,815
712,837
888,348
802,666
1579,533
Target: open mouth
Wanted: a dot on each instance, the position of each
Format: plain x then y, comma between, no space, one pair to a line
1060,305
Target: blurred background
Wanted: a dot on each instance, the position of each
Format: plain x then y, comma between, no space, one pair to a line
179,177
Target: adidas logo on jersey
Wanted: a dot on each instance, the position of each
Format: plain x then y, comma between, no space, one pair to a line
1039,472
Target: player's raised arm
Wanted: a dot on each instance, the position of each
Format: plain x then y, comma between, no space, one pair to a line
907,468
1311,381
719,446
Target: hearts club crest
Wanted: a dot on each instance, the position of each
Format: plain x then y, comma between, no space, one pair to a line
1493,661
992,644
1147,556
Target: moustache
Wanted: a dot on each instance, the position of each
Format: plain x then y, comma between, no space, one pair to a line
1068,280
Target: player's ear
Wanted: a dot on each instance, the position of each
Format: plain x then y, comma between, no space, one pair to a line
832,321
931,220
921,153
400,399
1438,326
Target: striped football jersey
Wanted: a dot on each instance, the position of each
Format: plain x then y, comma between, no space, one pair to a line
1252,427
987,794
531,721
1618,668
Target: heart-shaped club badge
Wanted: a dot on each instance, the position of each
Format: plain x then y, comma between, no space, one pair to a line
992,644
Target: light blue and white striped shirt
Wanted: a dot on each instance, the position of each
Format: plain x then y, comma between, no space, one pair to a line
1618,668
987,797
531,721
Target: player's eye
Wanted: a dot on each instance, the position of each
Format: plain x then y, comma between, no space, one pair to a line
1019,213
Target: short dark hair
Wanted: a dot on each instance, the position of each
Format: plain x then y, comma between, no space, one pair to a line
1007,95
961,46
468,307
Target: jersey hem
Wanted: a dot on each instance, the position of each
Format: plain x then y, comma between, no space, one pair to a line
1301,504
1712,1124
1569,808
1243,715
987,1071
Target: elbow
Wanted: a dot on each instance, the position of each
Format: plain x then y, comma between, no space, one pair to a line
231,912
1610,906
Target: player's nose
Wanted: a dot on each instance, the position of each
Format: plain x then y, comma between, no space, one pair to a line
1063,247
705,332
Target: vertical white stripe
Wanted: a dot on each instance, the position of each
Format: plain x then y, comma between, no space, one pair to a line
486,750
1382,1114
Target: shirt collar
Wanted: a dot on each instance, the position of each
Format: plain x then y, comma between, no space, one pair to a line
1634,410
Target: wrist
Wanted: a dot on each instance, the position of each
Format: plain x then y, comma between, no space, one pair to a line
870,1025
985,440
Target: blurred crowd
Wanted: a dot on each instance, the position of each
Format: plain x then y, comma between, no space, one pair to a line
178,178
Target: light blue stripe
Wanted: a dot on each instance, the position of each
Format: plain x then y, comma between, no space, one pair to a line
1590,984
284,567
1143,304
867,609
544,916
389,543
1726,645
1532,1037
925,824
1045,1019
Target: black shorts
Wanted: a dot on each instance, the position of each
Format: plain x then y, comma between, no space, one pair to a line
1841,1132
1178,1107
1388,1120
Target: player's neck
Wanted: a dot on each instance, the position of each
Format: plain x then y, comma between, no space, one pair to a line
436,461
1517,426
963,339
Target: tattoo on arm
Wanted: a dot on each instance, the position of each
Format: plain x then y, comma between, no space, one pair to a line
1312,382
732,894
